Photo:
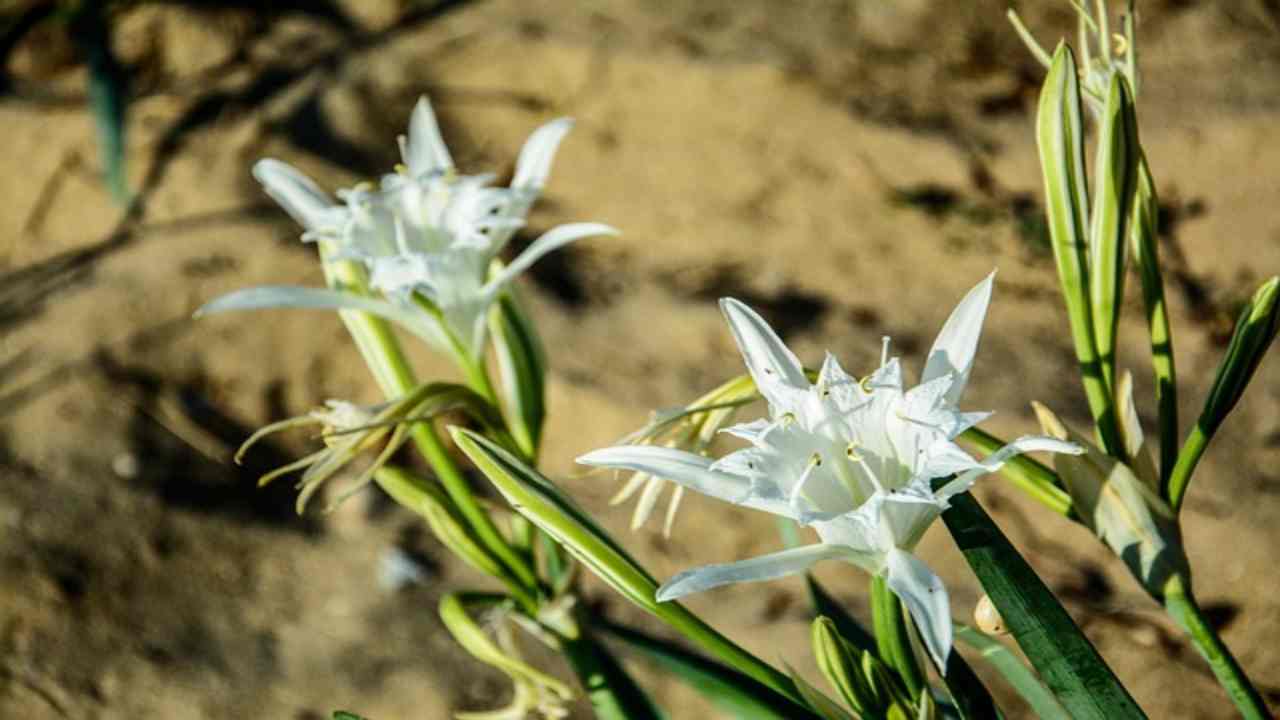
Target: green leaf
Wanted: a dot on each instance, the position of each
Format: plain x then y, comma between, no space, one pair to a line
473,639
1022,678
614,695
1060,137
1143,233
892,636
973,700
345,715
733,693
825,706
522,367
556,514
848,626
1255,330
1116,170
1063,656
1026,473
426,498
108,94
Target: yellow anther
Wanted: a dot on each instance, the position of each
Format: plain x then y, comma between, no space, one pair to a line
1121,43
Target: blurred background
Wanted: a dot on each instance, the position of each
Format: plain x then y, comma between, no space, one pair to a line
849,168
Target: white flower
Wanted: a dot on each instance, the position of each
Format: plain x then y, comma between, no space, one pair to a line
853,459
428,236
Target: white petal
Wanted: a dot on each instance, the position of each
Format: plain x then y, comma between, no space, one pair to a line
633,484
765,567
904,515
947,458
686,468
776,370
298,194
926,599
533,167
553,239
424,151
749,431
277,296
994,461
648,499
957,342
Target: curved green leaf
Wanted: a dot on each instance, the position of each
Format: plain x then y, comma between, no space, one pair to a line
735,694
1019,676
556,514
1064,657
522,367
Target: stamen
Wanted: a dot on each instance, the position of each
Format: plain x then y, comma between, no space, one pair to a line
1121,44
884,350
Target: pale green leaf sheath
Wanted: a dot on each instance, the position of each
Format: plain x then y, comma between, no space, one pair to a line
852,459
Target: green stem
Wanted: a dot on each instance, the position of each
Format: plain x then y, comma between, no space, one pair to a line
1188,457
893,639
1183,608
1029,475
381,351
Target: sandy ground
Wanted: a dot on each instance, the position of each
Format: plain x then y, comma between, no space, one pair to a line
849,168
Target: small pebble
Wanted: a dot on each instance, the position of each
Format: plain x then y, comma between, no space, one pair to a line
126,466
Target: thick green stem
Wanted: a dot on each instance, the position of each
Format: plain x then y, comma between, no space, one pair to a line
1188,458
1183,608
381,351
893,638
1029,475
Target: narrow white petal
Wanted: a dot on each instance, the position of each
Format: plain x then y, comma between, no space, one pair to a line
673,505
533,167
633,484
776,370
957,342
926,599
553,239
685,468
648,499
424,150
765,567
994,461
298,194
278,296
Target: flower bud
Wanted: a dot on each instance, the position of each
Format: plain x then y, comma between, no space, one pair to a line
838,661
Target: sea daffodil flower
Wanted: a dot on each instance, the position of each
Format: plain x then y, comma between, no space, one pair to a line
428,236
853,459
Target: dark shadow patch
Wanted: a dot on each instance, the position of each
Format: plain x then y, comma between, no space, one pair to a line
788,311
1220,615
182,473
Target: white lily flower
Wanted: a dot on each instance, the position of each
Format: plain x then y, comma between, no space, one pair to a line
428,236
853,459
445,229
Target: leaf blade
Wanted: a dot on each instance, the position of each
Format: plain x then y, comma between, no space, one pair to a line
1064,657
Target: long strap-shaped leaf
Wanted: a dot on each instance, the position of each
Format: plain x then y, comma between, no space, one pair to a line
1021,677
1060,136
1064,657
612,692
732,692
556,514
